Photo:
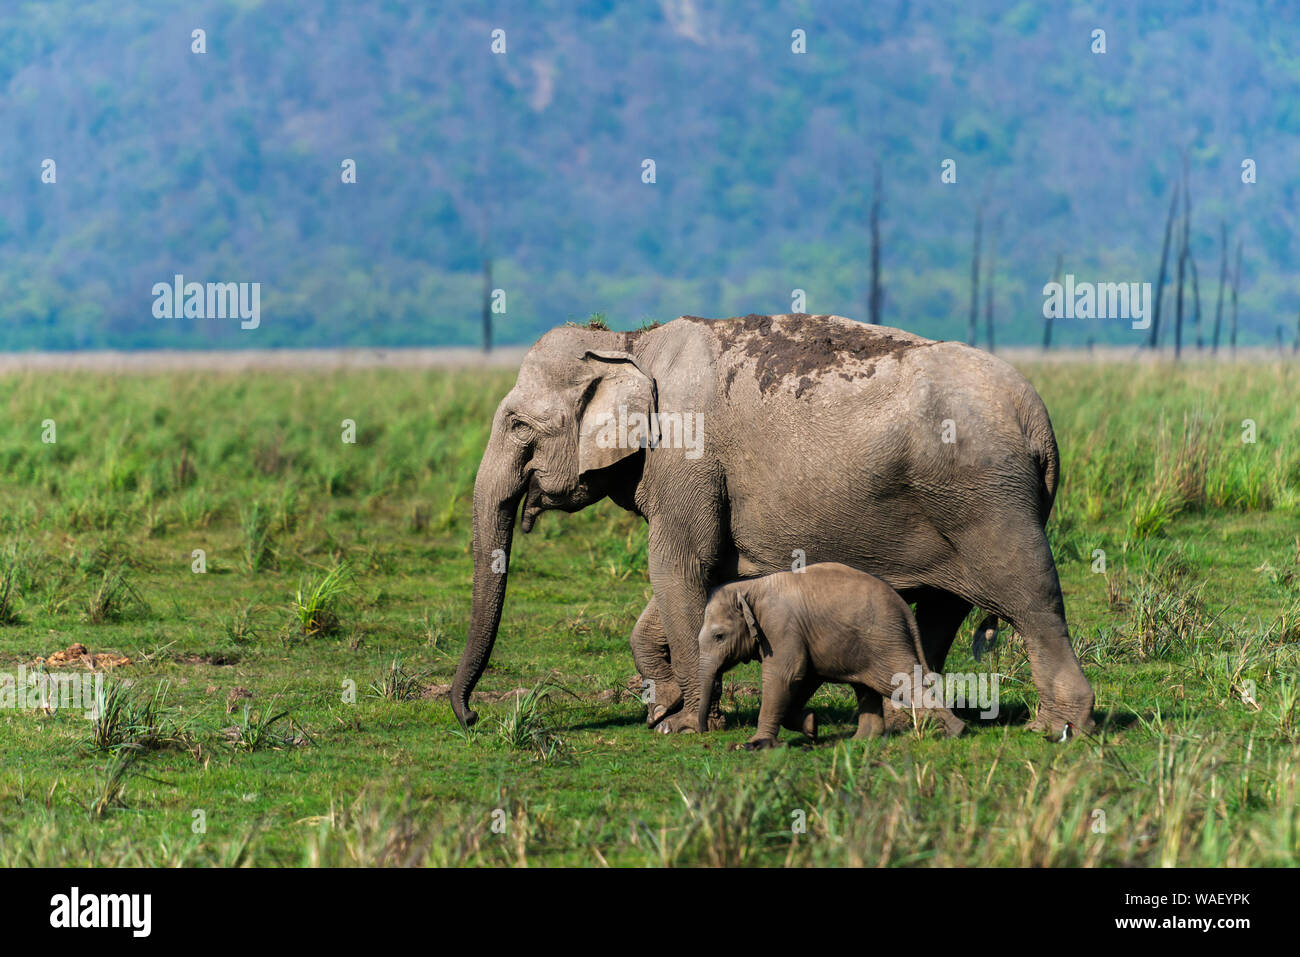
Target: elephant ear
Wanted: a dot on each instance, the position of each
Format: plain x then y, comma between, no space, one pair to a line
753,625
618,384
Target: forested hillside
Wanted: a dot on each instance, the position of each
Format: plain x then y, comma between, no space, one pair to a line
225,166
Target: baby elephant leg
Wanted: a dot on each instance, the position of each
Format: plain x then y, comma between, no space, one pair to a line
952,725
777,694
871,717
798,718
937,713
867,721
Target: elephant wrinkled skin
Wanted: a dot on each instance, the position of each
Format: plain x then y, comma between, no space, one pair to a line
931,465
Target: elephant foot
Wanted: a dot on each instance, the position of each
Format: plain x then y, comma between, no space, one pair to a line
654,714
679,723
895,720
1060,728
758,744
665,699
953,726
684,721
1061,723
869,726
901,721
804,723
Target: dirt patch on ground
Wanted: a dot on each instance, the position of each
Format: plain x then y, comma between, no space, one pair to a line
632,689
79,655
444,691
732,691
220,660
237,695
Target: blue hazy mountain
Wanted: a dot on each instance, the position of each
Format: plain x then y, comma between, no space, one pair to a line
227,166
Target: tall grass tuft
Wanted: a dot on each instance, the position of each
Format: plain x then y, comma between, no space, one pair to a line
530,724
126,717
255,522
114,598
1184,459
110,784
389,831
317,603
265,730
14,573
240,627
1166,615
1176,809
395,683
727,824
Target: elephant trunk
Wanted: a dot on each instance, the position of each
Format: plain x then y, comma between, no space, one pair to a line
708,675
494,524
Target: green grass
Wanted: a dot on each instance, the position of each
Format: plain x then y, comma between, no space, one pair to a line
337,593
124,717
317,605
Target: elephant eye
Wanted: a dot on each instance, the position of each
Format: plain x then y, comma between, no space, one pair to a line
521,430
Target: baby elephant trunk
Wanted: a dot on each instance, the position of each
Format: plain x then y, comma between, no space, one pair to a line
708,674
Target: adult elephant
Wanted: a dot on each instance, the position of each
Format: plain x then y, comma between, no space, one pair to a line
932,465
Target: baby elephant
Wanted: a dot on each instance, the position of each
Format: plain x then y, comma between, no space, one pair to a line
829,622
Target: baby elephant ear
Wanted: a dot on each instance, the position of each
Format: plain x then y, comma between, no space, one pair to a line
749,616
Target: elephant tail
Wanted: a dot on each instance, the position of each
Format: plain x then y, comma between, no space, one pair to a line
1049,464
1041,445
915,631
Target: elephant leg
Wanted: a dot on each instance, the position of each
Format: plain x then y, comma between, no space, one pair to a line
779,694
797,718
650,654
678,579
871,721
938,616
1018,583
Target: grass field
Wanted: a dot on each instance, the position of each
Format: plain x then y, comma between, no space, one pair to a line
336,593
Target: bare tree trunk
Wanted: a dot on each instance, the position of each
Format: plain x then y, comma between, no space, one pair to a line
1184,255
875,304
1154,340
1047,329
971,332
1236,282
1223,276
1178,318
487,305
988,285
1196,299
